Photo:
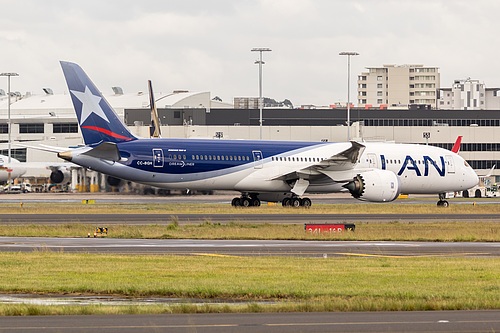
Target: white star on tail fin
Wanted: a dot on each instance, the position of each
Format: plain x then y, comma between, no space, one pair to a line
90,104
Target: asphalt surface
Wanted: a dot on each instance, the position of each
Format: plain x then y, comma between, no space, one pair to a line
218,198
430,321
249,247
147,219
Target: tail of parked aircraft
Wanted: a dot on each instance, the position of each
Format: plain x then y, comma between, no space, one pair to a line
154,130
98,121
456,146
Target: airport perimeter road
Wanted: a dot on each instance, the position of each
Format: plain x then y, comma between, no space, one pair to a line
163,219
428,321
250,247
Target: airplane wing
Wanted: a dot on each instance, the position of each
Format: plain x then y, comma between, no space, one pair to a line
342,161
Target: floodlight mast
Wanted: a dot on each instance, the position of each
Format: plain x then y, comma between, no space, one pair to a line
260,62
348,54
8,116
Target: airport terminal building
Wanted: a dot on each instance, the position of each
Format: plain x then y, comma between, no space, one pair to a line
49,119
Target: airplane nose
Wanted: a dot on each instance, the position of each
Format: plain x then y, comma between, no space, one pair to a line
473,178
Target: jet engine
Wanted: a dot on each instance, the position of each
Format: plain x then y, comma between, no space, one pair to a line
113,181
375,185
61,175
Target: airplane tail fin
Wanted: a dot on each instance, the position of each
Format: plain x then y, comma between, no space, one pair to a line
98,121
456,146
154,131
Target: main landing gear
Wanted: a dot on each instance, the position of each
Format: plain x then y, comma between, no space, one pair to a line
245,201
296,202
253,201
442,202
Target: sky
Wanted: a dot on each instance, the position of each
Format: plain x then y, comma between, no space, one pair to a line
204,45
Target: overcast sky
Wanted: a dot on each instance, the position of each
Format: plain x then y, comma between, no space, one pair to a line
204,45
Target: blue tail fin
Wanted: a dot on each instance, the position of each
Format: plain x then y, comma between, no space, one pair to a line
98,121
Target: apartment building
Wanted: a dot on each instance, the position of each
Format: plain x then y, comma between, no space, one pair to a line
392,86
469,95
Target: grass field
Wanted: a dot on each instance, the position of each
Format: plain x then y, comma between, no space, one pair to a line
294,284
432,231
333,284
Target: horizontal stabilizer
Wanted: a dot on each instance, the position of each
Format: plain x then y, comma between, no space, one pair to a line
106,151
44,148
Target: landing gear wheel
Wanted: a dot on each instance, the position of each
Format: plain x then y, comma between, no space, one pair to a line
236,202
306,202
255,202
443,203
245,202
295,202
286,202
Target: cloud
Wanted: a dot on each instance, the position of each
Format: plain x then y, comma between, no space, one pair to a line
205,45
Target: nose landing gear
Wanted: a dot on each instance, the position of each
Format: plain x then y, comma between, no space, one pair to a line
442,202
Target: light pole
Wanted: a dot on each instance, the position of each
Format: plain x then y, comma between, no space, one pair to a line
260,62
8,107
8,114
348,54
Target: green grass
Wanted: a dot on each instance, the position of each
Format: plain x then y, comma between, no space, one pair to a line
296,284
432,231
333,284
209,208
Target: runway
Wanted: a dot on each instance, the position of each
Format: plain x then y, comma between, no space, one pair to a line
289,218
245,248
428,321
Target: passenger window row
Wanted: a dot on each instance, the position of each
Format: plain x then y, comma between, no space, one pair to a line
297,159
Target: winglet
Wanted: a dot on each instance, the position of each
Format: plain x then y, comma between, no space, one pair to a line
491,171
456,146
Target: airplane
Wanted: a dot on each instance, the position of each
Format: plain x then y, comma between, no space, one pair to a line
272,171
12,170
60,172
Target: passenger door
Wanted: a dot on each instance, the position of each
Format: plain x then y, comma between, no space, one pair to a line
257,158
158,158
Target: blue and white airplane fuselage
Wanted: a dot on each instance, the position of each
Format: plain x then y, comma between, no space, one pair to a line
260,170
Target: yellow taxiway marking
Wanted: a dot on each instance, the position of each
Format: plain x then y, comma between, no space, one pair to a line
215,255
450,254
370,255
411,256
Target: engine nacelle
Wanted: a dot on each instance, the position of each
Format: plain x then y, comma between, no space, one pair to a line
60,176
113,181
375,185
